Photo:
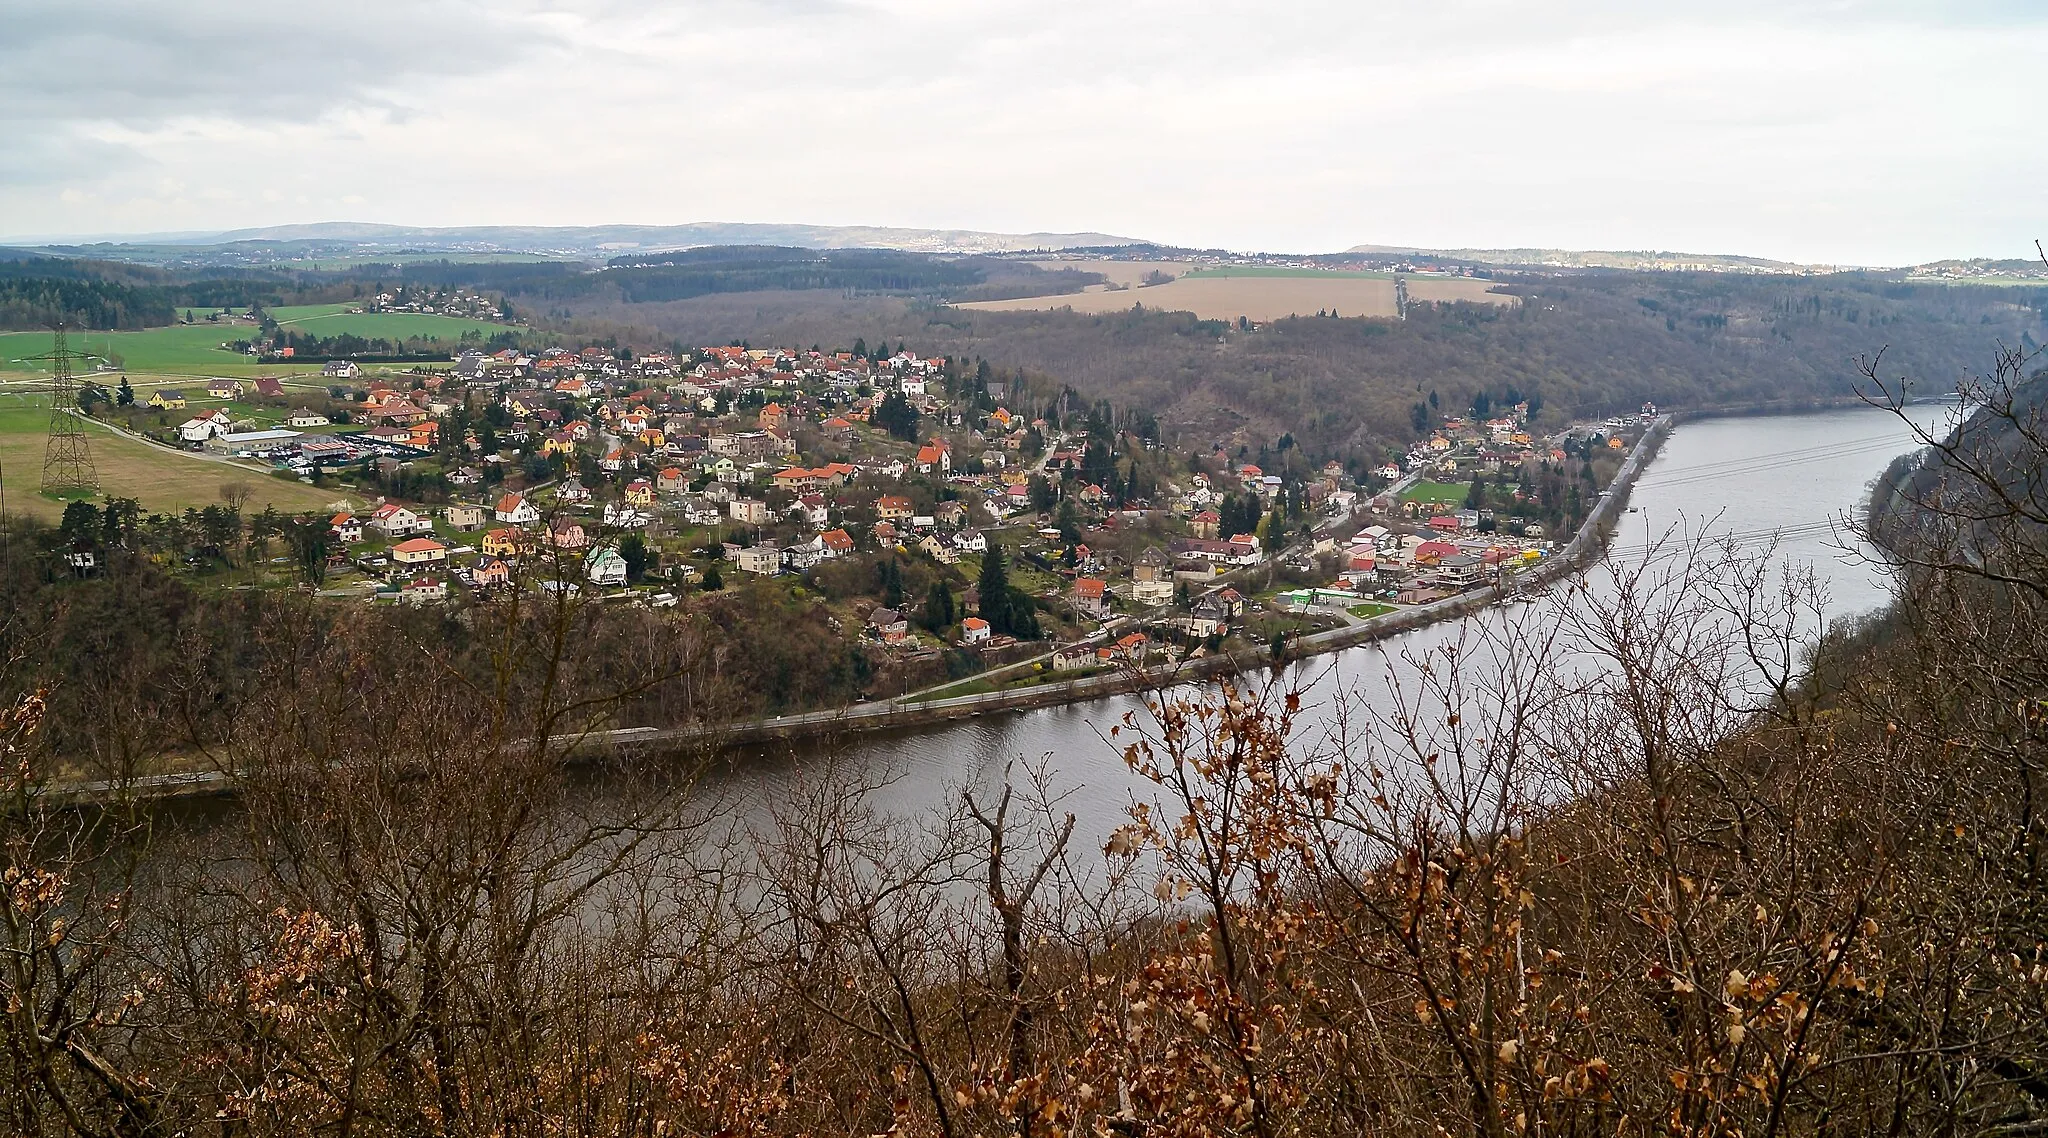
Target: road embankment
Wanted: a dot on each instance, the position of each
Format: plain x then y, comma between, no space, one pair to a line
1585,548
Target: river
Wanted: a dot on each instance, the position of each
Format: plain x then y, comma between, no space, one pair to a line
1786,483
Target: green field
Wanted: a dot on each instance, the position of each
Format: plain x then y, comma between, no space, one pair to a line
163,481
1441,493
1369,610
335,319
195,349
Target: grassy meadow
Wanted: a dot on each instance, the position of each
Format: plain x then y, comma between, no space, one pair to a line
1450,494
164,481
195,349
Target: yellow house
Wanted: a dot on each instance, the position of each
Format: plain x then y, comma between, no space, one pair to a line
167,400
561,442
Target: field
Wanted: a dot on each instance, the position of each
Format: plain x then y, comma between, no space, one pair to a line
163,481
195,349
1440,493
1129,274
1226,294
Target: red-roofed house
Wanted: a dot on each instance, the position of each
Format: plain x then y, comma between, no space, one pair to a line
419,551
1091,596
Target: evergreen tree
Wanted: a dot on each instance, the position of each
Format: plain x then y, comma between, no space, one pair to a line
126,395
633,550
712,581
994,587
938,607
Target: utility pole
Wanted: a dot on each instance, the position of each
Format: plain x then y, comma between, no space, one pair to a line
67,460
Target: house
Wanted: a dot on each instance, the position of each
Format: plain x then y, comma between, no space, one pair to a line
269,387
340,369
1210,616
465,517
672,480
424,590
1152,578
934,456
970,541
198,430
305,418
1073,657
973,630
1129,649
748,511
701,511
892,507
516,510
564,533
1244,549
346,528
1091,596
224,389
938,551
888,626
765,560
572,491
640,492
419,551
490,572
625,515
605,567
395,520
507,542
167,400
1205,524
835,543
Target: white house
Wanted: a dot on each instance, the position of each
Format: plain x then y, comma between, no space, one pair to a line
763,559
197,430
514,509
304,418
395,520
606,567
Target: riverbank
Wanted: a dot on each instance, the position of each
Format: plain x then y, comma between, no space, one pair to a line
1584,548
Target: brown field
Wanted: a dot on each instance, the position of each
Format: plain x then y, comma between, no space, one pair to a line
1125,273
163,481
1259,297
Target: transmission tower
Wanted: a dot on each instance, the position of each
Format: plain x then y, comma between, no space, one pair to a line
67,462
1400,298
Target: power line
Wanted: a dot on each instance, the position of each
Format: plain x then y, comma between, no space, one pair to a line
67,460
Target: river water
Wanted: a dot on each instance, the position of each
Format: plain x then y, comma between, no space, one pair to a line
1783,484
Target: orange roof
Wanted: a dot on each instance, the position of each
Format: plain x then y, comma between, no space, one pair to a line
418,545
974,623
509,503
1089,587
339,518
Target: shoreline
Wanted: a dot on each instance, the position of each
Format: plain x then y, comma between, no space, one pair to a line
1587,546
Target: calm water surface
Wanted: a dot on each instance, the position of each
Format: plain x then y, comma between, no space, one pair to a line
1787,484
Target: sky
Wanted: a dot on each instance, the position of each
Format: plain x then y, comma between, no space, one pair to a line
1878,132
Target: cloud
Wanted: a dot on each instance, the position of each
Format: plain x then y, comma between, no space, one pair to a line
1871,130
80,82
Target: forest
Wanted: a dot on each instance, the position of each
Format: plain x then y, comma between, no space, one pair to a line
1586,345
1657,864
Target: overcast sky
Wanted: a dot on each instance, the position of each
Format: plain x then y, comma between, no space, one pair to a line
1851,131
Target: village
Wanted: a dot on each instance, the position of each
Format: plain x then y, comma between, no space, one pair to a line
896,490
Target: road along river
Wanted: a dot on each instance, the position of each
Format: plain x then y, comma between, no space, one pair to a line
1786,485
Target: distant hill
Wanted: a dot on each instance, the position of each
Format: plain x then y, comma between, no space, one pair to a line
1642,260
612,240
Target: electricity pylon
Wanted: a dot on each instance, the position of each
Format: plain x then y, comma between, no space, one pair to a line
67,460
